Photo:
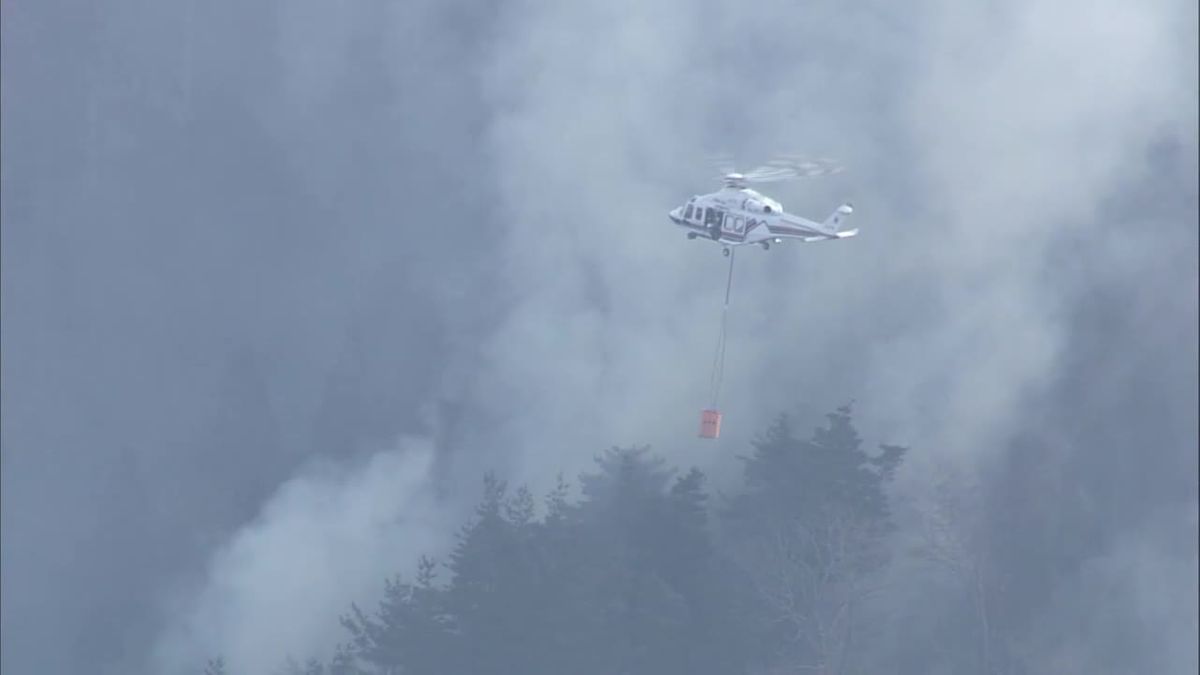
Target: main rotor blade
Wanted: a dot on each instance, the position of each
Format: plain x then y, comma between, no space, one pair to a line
791,168
781,168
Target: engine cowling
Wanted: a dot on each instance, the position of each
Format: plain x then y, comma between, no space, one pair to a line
756,206
762,205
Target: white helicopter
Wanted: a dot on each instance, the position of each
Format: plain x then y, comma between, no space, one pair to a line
737,215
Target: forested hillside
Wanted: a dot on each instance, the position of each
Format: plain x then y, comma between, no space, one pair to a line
637,567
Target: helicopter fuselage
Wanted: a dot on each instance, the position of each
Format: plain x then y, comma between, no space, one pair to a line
736,216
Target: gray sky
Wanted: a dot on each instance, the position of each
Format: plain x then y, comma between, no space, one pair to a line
279,281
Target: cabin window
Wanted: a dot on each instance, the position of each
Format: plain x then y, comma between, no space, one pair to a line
688,214
713,218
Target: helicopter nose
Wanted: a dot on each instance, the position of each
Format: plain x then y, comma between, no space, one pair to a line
676,214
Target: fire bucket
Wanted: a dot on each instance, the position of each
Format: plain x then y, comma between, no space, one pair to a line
710,424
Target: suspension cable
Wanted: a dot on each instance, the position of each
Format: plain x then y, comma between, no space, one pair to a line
718,372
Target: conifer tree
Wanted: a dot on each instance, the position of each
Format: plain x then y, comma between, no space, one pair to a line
215,666
810,531
411,631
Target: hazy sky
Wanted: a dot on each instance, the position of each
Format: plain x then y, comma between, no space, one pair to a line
281,281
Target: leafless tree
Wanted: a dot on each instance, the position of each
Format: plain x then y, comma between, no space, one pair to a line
953,539
813,575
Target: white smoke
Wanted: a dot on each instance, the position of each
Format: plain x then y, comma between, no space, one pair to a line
976,136
328,537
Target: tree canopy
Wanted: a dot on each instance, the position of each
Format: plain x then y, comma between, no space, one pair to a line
636,569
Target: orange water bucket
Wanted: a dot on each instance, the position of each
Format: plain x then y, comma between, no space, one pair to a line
710,424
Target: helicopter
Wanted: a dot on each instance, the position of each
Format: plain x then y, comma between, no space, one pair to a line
737,215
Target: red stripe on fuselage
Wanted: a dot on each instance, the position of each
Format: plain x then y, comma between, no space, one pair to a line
797,231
